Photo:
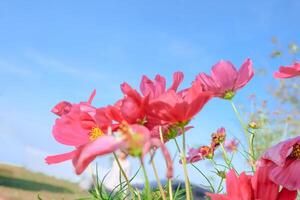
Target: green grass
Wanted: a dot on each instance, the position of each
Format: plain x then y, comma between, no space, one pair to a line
17,183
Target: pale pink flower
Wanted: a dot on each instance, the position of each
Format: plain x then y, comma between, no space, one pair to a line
200,153
231,145
288,71
225,80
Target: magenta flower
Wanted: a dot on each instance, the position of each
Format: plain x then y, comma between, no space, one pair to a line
134,139
225,80
283,162
288,71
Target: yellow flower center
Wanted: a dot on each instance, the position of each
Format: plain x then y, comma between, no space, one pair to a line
95,133
296,152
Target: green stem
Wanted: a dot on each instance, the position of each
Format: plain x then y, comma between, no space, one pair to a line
147,185
207,179
228,163
162,192
125,176
183,160
170,189
220,185
249,140
169,180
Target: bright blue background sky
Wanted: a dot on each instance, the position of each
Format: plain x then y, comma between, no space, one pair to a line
62,50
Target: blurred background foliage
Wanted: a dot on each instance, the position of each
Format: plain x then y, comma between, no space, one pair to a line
273,123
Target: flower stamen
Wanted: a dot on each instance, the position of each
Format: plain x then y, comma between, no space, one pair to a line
296,152
95,133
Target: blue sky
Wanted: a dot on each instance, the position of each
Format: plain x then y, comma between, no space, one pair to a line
62,50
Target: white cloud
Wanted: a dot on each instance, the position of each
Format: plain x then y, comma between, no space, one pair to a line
13,69
51,64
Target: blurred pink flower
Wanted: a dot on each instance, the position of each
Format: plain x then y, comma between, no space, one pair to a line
225,80
201,153
231,145
62,108
135,140
218,137
283,162
288,71
246,187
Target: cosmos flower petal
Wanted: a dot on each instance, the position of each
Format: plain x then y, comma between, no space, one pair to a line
245,74
225,74
288,71
288,175
87,153
60,157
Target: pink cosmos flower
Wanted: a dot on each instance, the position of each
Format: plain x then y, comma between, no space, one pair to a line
180,107
77,125
62,108
231,145
201,153
225,80
135,140
246,187
134,105
288,71
218,137
283,162
155,88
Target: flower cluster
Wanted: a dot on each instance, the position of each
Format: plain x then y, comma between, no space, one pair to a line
143,120
276,177
140,120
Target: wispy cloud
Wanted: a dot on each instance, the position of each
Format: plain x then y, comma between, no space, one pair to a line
11,68
51,64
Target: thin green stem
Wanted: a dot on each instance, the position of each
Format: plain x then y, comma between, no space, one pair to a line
220,185
183,160
125,176
169,180
162,192
249,140
225,157
207,179
170,189
147,185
